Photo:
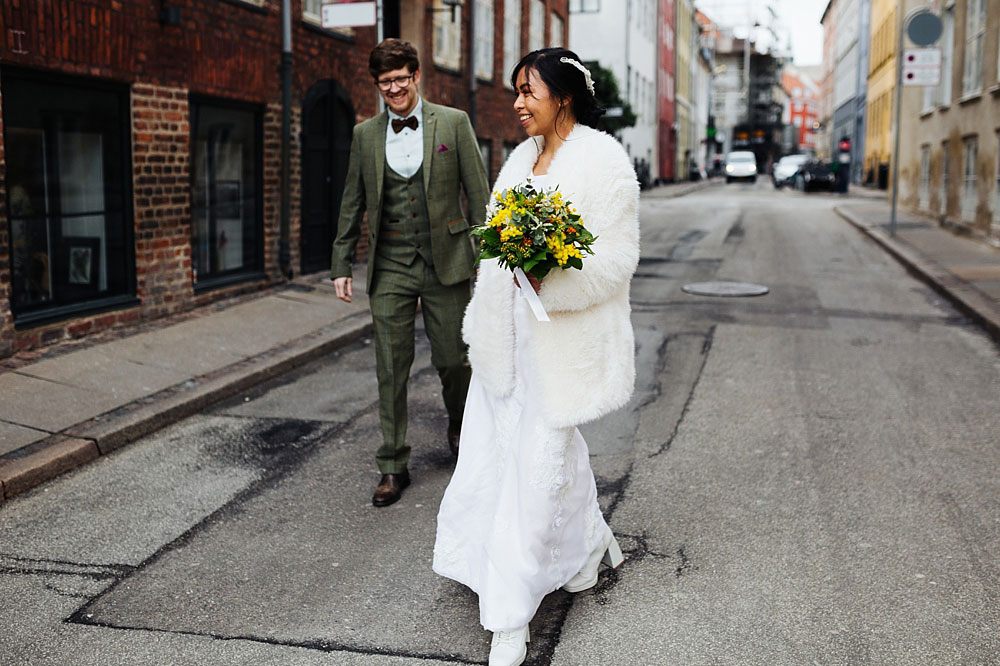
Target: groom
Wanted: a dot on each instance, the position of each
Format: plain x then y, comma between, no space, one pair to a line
407,168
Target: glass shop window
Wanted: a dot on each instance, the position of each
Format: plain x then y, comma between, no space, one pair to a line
67,159
226,242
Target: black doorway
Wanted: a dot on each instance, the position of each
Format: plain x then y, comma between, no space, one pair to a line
327,124
390,18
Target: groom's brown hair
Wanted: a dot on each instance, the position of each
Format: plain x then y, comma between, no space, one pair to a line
392,54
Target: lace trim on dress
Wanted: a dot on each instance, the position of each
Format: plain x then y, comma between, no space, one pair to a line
447,552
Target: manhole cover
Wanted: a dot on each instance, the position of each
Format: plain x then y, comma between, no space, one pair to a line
722,288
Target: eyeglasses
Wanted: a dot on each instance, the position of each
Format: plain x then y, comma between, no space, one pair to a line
400,81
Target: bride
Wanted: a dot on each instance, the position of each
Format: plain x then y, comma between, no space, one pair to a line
520,517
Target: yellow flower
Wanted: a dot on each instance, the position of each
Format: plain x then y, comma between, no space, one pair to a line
500,218
510,232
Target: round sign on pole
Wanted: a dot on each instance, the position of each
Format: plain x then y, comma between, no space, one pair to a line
924,28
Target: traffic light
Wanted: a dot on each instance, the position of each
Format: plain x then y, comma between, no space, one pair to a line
844,145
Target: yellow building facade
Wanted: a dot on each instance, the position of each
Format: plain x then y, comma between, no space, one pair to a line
881,89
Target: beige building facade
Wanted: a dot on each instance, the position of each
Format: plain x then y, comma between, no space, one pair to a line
950,148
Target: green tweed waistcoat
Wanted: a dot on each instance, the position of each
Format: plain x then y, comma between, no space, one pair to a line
406,230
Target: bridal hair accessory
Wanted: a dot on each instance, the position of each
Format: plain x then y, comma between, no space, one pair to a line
586,72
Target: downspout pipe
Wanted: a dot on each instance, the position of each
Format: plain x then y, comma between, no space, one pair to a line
284,251
472,65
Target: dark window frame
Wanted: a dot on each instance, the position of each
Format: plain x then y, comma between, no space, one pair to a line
41,314
257,272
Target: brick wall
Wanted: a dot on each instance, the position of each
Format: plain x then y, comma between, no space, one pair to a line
228,50
6,317
223,49
161,188
495,120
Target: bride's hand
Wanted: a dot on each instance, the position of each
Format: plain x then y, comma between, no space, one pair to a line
535,283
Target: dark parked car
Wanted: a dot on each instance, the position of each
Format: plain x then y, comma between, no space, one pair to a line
784,170
814,175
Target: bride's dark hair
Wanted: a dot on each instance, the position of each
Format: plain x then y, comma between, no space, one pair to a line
563,80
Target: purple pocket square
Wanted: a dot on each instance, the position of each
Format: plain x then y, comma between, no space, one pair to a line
442,148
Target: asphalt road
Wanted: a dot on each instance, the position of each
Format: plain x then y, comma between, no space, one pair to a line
804,477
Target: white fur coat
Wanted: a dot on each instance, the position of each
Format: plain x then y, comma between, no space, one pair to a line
585,355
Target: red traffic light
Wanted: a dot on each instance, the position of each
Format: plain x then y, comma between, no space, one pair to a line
845,145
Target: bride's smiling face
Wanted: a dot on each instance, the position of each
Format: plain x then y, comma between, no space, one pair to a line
536,107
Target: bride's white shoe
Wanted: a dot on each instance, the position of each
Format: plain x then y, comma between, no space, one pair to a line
508,647
607,551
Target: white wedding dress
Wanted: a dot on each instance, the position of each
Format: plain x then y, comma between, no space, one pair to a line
520,515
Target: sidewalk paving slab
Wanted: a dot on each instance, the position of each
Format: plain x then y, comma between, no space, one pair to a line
963,270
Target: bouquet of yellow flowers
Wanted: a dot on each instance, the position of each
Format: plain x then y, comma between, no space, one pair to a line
533,229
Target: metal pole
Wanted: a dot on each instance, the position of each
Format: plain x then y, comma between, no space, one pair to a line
284,253
899,109
746,61
472,65
379,36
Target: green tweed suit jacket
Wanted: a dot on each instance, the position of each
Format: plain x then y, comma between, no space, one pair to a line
451,158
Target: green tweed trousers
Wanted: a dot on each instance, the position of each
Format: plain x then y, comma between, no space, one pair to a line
393,299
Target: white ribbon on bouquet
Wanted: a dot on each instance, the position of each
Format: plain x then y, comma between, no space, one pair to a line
529,293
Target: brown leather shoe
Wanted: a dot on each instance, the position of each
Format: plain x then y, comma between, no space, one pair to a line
390,488
454,431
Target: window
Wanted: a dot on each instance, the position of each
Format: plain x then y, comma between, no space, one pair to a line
975,34
67,175
511,37
225,192
312,12
947,55
924,194
536,25
508,148
556,30
486,152
945,177
484,39
970,188
447,37
581,6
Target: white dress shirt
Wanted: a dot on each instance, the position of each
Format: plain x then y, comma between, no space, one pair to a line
405,151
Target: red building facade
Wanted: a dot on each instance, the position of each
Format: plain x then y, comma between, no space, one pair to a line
141,144
802,111
666,92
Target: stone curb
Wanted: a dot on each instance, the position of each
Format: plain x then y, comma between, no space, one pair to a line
678,191
87,441
969,300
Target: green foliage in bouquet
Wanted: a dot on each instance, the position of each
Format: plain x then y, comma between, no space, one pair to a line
533,229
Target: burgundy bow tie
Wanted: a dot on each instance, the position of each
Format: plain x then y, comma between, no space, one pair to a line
398,125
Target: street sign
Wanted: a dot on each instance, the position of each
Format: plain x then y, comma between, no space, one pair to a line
921,67
924,28
347,13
